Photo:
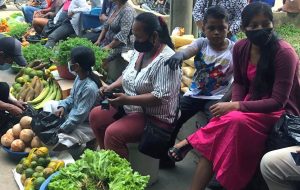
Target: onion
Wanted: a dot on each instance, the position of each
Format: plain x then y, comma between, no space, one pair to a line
26,135
16,129
36,142
17,145
6,140
10,132
25,122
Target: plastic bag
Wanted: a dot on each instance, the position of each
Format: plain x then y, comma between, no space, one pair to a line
285,133
46,126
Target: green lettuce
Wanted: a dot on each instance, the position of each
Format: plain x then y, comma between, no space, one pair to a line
95,169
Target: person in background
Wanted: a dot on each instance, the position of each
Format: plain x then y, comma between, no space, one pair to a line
116,37
69,15
107,7
213,63
233,7
147,83
290,6
35,5
41,17
266,84
77,106
3,5
10,51
280,170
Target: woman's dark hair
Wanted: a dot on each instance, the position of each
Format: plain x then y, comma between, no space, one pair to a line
123,1
265,69
85,57
216,12
153,23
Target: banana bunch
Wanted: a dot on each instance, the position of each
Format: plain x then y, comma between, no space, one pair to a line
31,90
51,92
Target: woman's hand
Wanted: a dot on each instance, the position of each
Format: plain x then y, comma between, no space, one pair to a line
105,88
107,47
98,42
222,108
19,104
15,110
119,100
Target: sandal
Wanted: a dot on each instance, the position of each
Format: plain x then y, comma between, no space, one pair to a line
177,154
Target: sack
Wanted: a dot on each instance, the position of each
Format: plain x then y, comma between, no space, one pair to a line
155,140
46,125
285,133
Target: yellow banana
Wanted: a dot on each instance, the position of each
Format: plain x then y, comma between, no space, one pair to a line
51,96
42,95
58,94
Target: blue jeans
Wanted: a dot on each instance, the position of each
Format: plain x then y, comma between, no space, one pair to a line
28,12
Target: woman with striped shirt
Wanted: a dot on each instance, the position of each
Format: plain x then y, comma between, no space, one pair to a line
146,83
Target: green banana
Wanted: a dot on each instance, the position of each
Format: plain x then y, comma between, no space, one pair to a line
58,94
50,96
41,96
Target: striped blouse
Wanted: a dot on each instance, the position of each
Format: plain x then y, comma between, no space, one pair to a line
156,79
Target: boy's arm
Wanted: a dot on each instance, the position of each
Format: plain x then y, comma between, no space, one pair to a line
193,48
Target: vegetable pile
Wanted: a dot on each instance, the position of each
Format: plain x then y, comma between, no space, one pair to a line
4,26
37,167
99,170
37,51
63,51
21,137
17,29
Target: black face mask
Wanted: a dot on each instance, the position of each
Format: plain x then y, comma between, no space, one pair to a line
260,37
143,46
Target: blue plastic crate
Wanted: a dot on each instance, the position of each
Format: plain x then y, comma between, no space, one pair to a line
91,19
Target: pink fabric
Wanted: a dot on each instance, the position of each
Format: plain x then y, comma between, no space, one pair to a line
115,134
286,89
235,143
66,5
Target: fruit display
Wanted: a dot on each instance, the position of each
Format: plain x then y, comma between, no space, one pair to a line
21,138
37,167
99,170
32,87
52,91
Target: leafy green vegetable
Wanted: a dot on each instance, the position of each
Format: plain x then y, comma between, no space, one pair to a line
63,51
17,29
15,15
95,169
37,52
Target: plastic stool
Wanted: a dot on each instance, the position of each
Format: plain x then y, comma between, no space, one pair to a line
142,163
